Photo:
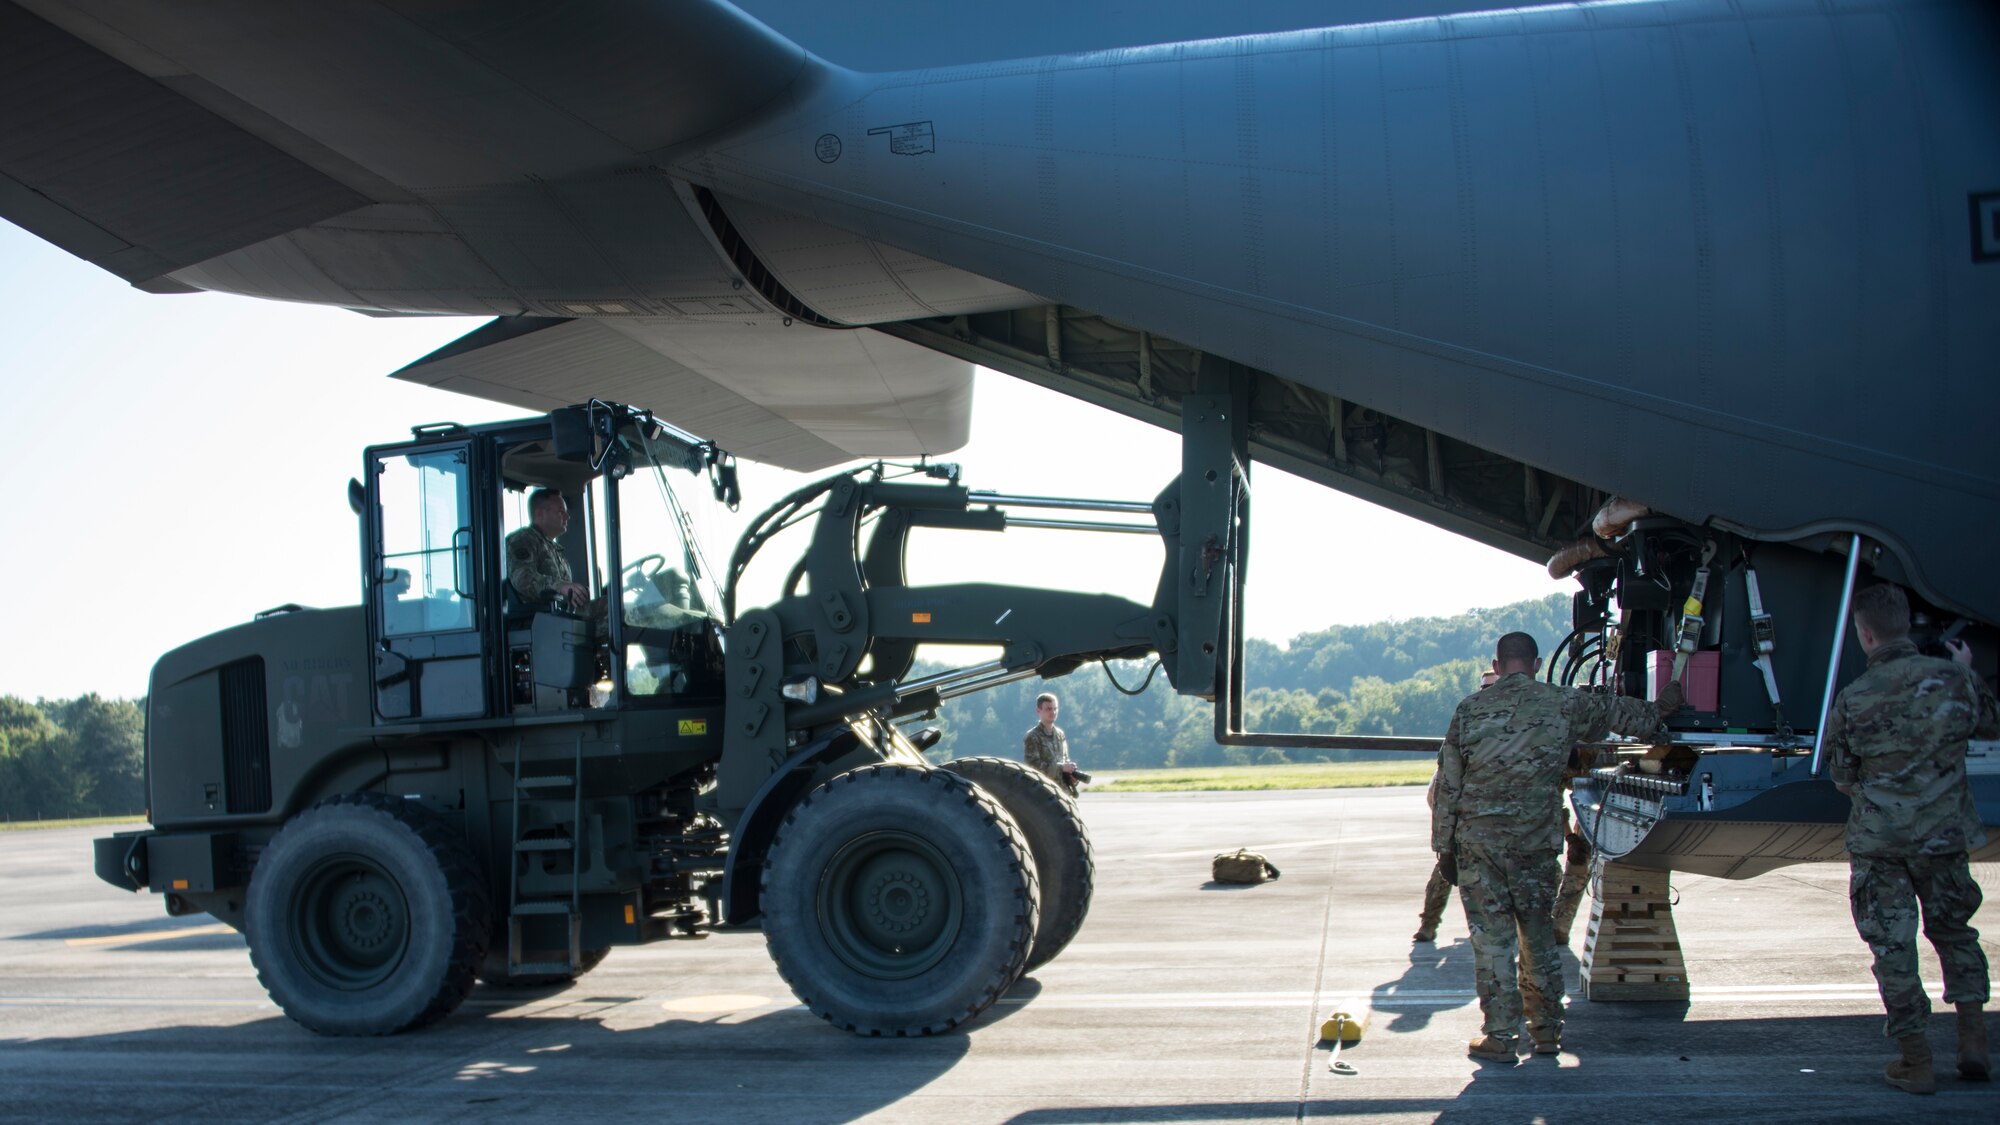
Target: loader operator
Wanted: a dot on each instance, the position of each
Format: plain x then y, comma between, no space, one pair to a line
536,567
1896,740
1497,823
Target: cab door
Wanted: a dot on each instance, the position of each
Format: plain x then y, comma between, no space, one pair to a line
423,596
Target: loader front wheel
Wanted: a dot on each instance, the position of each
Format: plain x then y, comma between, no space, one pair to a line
899,900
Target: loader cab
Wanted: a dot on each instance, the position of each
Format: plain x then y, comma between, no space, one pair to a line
452,640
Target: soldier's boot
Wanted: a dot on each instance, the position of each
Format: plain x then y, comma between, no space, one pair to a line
1973,1060
1912,1072
1427,929
1548,1040
1492,1048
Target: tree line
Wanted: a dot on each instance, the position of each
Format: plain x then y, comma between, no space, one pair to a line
71,757
1386,678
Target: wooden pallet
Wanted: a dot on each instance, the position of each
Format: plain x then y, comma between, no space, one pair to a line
1631,950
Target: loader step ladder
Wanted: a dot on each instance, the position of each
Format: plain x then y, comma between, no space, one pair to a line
543,787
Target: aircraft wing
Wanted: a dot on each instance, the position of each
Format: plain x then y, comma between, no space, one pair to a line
484,159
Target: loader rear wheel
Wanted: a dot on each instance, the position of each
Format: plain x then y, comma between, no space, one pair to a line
1056,839
366,916
899,900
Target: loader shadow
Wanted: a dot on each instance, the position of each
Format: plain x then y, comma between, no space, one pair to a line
180,935
585,1055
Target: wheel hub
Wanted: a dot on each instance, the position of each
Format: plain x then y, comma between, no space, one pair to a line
899,903
890,905
349,923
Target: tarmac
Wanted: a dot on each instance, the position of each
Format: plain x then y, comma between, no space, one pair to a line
1180,1001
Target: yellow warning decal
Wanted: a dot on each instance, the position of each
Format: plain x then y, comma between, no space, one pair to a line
693,726
920,619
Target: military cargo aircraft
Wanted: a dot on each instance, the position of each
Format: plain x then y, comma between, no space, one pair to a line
1736,260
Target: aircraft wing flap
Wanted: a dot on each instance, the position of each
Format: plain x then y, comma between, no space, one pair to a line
127,174
800,398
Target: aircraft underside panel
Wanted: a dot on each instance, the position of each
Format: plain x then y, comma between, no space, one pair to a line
1739,813
1628,244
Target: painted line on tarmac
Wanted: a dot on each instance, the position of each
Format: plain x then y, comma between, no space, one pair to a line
1278,847
113,941
127,1002
1431,997
1397,998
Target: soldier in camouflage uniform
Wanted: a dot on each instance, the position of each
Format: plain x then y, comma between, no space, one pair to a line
536,566
1575,880
1437,892
1045,746
1896,738
1497,822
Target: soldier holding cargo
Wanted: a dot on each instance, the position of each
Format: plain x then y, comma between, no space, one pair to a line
1896,738
1496,824
1045,747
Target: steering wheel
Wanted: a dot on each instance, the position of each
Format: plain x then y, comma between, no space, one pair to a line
642,569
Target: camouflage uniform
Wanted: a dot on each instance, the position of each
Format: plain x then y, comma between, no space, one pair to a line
1499,810
1575,880
535,566
1896,739
1046,750
1437,892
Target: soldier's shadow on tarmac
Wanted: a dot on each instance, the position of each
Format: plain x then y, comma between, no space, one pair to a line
588,1050
1437,970
1626,1063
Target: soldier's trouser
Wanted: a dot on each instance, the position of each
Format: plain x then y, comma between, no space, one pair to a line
1436,893
1575,881
1509,902
1887,894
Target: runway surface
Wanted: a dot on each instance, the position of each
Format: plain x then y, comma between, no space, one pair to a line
1180,1001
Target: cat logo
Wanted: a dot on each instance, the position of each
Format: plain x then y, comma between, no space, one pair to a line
693,726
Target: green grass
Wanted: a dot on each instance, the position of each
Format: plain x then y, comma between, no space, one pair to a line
80,822
1321,775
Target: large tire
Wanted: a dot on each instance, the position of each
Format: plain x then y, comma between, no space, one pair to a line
899,900
493,968
366,916
1056,839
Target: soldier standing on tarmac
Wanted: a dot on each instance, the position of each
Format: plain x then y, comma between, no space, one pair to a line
1496,824
1437,892
1896,739
1045,746
1576,877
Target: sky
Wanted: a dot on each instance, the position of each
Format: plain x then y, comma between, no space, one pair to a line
174,464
